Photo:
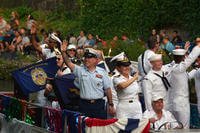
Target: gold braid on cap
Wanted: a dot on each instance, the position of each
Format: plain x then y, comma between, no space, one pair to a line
125,59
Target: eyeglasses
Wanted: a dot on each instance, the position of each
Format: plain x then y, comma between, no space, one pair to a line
72,50
58,59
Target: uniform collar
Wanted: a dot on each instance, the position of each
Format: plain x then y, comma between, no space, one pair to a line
90,71
158,72
125,77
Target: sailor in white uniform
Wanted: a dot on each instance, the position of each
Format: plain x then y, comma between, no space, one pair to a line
195,74
144,65
127,91
179,93
155,82
158,116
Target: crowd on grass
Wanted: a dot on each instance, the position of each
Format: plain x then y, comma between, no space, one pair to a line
164,87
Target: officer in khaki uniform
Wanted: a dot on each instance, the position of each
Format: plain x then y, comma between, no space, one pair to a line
127,91
93,81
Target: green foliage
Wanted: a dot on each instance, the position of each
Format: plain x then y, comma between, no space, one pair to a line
138,17
7,65
132,50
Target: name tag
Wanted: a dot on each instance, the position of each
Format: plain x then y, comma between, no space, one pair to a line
99,76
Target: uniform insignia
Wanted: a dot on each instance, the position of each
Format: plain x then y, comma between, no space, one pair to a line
166,73
99,76
98,84
39,76
117,76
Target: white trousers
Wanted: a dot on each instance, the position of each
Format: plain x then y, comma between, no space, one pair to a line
126,109
183,116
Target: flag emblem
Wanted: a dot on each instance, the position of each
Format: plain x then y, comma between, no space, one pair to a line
38,76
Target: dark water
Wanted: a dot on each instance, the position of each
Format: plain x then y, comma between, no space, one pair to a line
6,85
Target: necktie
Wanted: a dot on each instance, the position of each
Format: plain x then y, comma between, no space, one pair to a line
164,80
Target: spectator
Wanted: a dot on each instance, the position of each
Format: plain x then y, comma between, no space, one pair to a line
26,44
16,42
126,39
162,35
14,21
114,41
71,52
8,35
167,45
2,24
45,37
81,39
72,39
154,36
90,42
30,21
101,41
176,40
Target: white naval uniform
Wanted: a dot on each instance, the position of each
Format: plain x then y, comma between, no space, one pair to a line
195,73
166,117
147,65
128,105
179,93
114,93
152,86
41,99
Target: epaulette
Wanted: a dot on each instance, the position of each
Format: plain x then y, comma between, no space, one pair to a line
116,76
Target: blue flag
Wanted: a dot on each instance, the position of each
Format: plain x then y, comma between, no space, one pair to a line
66,91
32,78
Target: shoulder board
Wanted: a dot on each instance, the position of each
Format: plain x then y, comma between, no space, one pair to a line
116,76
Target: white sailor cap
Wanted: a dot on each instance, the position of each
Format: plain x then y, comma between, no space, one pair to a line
179,52
90,52
54,37
156,98
155,57
118,57
71,46
121,59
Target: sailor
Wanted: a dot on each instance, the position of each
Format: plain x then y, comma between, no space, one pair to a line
158,116
93,81
179,93
144,66
49,92
127,91
195,74
155,82
47,50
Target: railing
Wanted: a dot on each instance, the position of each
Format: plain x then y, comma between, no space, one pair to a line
55,120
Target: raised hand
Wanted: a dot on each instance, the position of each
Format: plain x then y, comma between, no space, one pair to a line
64,45
187,45
34,29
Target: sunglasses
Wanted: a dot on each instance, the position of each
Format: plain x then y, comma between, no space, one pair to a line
58,59
197,41
72,50
90,56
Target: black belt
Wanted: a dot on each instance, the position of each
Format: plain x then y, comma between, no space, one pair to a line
91,100
130,101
